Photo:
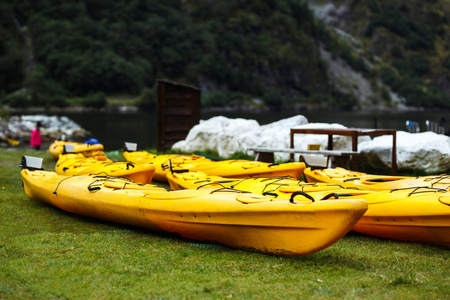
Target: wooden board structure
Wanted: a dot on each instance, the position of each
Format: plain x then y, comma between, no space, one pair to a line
178,110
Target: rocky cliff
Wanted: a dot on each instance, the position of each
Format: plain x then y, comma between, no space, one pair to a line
403,47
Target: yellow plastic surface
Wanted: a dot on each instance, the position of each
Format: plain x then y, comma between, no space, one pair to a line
353,179
226,168
224,216
57,148
78,164
407,214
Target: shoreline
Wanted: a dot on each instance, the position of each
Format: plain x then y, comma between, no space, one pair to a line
235,108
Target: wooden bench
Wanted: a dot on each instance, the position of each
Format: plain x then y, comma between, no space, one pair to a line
354,133
267,154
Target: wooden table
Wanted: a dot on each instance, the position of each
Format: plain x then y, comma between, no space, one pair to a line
268,154
354,133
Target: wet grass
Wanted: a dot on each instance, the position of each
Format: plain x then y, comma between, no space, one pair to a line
47,253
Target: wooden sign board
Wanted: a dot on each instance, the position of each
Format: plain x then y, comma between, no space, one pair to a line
178,110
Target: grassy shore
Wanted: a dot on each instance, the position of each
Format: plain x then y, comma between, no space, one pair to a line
48,253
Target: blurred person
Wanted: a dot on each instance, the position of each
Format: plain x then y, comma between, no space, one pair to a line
36,140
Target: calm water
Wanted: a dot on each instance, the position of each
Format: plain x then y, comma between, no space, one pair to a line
112,129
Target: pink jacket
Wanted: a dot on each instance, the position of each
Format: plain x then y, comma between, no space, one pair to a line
35,138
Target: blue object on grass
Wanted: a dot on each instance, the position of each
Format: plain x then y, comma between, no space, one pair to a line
92,141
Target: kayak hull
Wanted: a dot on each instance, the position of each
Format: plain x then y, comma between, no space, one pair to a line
77,164
226,168
407,214
236,219
57,148
422,216
352,179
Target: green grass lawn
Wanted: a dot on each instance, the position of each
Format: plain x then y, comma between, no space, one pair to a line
48,253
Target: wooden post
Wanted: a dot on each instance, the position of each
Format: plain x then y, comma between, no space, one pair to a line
394,153
355,149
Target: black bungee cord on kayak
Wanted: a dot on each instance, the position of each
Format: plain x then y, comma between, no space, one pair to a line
171,170
275,195
352,179
273,181
208,182
299,183
420,189
103,178
336,196
438,180
278,177
278,185
238,182
291,200
379,180
57,186
229,190
212,183
164,167
288,177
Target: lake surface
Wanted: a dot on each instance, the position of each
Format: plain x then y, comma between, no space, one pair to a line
112,129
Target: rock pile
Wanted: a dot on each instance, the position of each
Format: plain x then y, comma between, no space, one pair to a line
53,127
228,136
425,152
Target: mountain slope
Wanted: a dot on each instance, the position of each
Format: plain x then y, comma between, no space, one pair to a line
345,54
409,39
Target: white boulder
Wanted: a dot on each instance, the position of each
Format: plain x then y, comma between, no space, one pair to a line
426,151
52,126
228,136
273,135
217,134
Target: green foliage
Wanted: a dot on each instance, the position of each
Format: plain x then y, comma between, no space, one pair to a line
340,49
385,95
58,101
241,155
321,99
11,51
446,63
215,99
420,66
247,44
335,99
96,100
147,99
344,101
274,98
416,92
119,47
44,91
390,17
264,49
18,100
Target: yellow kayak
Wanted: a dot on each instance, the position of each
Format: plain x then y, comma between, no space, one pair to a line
161,162
236,219
274,187
57,147
78,164
410,214
226,168
354,179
